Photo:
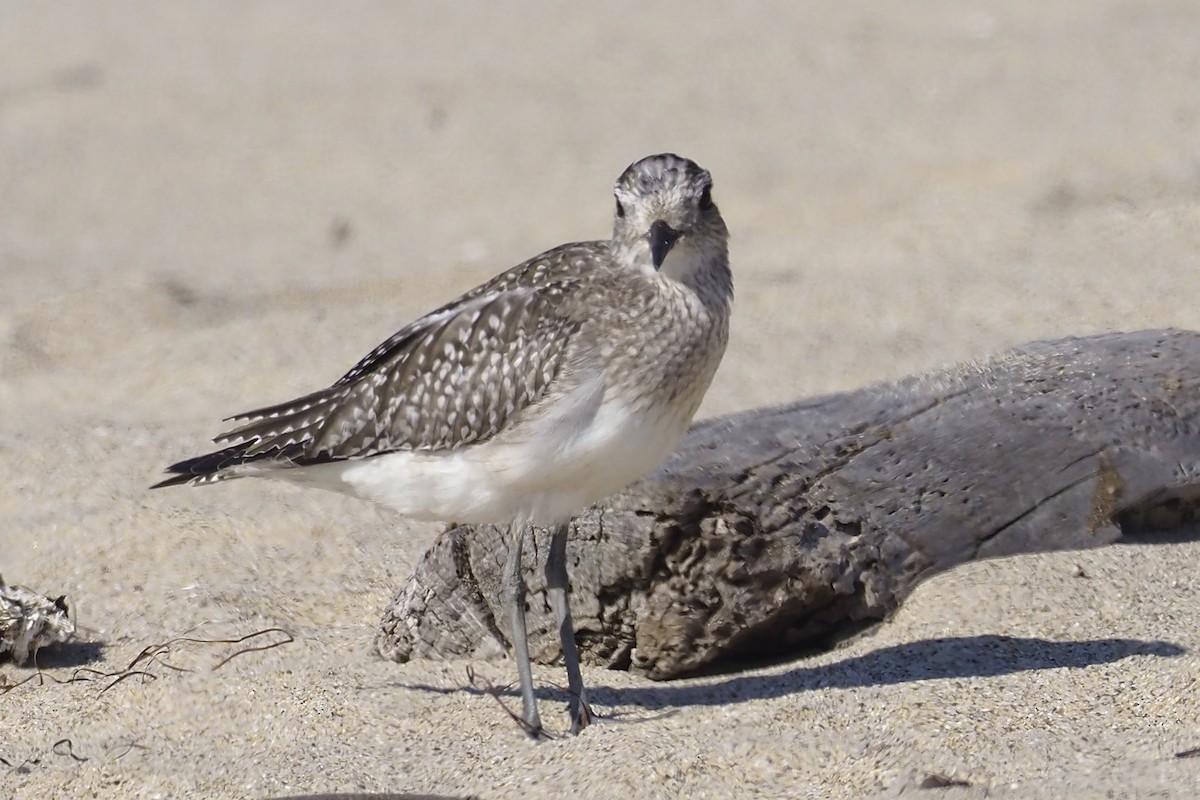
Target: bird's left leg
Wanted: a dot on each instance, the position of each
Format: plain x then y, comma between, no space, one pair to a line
513,598
558,589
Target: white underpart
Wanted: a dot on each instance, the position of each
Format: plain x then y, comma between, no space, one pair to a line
584,449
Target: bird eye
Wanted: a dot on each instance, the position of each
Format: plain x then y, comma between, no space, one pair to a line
706,199
620,209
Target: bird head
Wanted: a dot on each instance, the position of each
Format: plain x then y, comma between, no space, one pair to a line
666,220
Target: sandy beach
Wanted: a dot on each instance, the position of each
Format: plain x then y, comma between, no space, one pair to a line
210,207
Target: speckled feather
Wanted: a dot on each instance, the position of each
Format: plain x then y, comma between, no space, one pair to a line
452,378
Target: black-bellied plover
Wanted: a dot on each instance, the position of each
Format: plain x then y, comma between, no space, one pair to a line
527,399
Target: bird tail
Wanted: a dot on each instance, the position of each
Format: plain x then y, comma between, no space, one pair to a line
220,465
285,435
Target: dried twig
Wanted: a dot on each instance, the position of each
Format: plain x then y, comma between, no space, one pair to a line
143,662
65,747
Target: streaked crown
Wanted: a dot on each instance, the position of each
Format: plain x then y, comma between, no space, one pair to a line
663,171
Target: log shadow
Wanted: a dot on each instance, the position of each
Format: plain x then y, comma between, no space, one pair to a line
927,659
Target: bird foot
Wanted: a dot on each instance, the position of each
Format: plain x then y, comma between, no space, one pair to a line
581,716
536,732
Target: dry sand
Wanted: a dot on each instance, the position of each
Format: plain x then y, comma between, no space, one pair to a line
206,207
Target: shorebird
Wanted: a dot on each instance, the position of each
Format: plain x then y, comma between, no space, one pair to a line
528,398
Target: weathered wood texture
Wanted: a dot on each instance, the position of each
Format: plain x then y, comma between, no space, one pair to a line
772,529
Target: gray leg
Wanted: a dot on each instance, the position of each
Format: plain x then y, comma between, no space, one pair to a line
558,588
514,599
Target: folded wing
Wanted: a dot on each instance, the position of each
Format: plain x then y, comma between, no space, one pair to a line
453,378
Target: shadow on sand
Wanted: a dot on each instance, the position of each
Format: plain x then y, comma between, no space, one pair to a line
927,659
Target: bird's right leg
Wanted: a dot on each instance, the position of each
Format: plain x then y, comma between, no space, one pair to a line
514,598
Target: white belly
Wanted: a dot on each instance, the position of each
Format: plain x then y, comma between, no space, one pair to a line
546,471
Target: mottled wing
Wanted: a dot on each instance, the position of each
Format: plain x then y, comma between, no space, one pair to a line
556,267
452,379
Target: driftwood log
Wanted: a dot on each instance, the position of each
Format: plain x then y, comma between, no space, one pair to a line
773,530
